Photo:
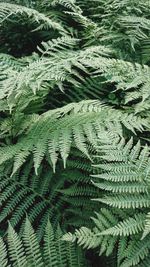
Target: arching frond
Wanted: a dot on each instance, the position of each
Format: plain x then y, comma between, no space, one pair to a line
8,10
58,129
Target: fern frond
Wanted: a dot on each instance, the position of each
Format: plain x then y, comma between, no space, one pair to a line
53,67
136,252
44,195
58,45
84,236
146,226
32,247
26,250
63,124
120,188
126,202
69,4
50,252
3,253
8,10
61,248
16,251
127,227
90,238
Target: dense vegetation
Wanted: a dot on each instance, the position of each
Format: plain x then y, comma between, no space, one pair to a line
74,133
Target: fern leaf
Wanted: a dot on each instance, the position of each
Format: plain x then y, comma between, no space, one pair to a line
50,253
3,253
7,10
127,227
126,202
16,249
31,246
61,248
146,229
136,252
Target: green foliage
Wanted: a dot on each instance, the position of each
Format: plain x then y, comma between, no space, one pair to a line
43,196
59,129
26,252
8,10
124,181
74,132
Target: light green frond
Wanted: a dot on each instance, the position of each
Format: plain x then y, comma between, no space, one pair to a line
126,202
84,236
116,187
146,229
57,45
16,250
65,127
55,251
91,238
3,254
122,244
127,227
32,247
8,10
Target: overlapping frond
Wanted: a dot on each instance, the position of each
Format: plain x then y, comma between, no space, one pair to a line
124,185
57,64
46,195
58,129
7,10
26,252
74,125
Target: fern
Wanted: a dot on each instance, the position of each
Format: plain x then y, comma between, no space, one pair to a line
127,227
50,252
9,10
52,67
74,132
17,255
3,252
71,5
130,207
45,195
56,130
91,238
25,251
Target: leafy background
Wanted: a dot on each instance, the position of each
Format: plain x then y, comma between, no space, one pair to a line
74,133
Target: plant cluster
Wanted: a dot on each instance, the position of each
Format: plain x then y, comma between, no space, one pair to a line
74,133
